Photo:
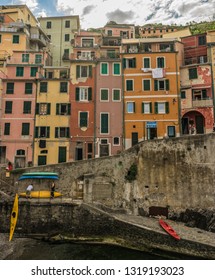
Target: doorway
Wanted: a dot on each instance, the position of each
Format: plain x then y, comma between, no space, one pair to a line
134,138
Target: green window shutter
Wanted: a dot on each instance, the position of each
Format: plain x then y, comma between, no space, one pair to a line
69,109
167,107
89,94
28,88
48,108
83,119
204,94
36,131
67,132
146,63
8,107
56,132
146,85
47,131
34,70
19,71
27,107
57,109
167,84
156,107
150,104
124,63
37,108
10,88
104,123
104,68
155,85
25,128
134,63
90,71
77,94
134,106
143,108
78,71
116,69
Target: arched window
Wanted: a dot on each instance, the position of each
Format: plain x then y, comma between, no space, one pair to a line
20,152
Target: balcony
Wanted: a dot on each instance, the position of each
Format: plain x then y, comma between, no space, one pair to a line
203,102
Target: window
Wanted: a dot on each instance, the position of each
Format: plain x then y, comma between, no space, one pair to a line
27,107
62,132
63,109
15,39
161,84
146,107
193,73
83,119
83,94
63,86
199,94
38,58
67,24
104,95
87,42
8,107
116,69
130,107
146,62
66,54
7,129
34,71
42,131
202,40
28,88
146,85
43,108
20,152
25,57
66,38
161,107
43,86
129,85
10,88
116,141
48,24
104,68
129,62
116,95
19,71
109,32
104,123
160,62
171,131
25,129
183,94
83,71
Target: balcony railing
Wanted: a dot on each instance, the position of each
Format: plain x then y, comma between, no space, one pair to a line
202,102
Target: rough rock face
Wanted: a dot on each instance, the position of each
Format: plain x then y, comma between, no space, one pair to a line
200,218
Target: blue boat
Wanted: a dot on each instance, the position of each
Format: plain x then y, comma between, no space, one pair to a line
39,175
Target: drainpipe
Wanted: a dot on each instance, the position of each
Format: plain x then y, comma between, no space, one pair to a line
95,113
212,75
178,94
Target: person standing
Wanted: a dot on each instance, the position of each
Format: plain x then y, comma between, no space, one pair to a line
29,190
52,189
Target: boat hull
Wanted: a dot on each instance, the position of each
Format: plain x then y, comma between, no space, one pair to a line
14,216
169,229
40,194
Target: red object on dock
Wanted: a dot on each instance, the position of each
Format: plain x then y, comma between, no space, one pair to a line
169,229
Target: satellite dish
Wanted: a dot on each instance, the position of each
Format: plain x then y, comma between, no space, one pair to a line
83,128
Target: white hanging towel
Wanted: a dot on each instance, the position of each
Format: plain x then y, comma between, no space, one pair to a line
157,73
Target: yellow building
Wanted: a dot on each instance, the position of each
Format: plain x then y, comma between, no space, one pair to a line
52,132
61,31
151,88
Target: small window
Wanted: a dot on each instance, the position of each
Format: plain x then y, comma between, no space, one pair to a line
19,71
10,88
161,107
43,86
104,95
62,132
67,24
171,131
66,38
8,107
15,39
83,119
27,107
34,71
160,62
28,88
63,109
129,62
116,141
146,85
146,62
129,85
116,95
146,107
25,129
193,73
63,86
7,129
38,58
202,40
48,24
104,68
104,123
116,68
25,57
130,107
183,94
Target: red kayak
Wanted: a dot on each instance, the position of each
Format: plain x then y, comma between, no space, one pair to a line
169,229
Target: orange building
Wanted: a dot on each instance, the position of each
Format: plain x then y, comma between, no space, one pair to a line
151,88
